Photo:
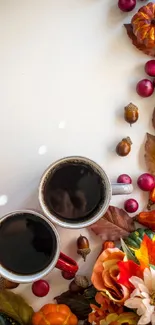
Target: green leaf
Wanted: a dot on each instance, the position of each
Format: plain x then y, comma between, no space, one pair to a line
6,320
152,266
128,252
15,306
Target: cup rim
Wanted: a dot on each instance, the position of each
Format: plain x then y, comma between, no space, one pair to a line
36,276
80,224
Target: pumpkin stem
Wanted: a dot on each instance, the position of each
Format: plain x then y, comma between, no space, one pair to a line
153,21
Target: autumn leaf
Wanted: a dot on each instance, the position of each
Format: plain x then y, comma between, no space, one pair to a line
16,307
115,224
141,47
128,253
146,253
79,305
153,118
150,153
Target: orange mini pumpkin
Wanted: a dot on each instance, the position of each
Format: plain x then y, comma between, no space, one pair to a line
143,23
53,314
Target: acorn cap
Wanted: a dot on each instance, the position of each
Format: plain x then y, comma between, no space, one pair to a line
84,252
128,140
131,106
81,281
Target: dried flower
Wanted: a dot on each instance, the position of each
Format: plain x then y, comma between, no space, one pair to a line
105,275
143,297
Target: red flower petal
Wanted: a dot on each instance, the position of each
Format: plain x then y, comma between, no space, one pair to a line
127,270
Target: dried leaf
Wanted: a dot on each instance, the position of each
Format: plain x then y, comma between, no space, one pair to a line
15,306
114,224
90,292
79,305
153,118
150,153
141,47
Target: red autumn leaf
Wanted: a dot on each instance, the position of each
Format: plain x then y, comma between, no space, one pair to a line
115,224
127,270
141,47
150,153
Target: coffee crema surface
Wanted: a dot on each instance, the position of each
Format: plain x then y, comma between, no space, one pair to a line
27,244
73,190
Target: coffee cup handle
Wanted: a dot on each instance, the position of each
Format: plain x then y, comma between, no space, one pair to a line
67,264
121,188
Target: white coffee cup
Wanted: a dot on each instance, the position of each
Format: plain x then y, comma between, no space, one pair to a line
110,189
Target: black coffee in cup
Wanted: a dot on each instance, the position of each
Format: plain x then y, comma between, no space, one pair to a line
73,190
27,244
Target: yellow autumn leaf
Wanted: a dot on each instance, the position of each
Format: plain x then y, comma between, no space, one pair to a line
109,319
142,254
129,318
115,319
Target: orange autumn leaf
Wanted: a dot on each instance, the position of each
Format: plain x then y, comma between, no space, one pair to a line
146,253
97,314
107,307
100,299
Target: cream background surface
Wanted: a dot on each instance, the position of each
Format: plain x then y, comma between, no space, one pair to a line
67,69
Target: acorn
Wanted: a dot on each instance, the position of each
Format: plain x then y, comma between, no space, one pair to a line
79,284
73,287
6,284
124,147
83,248
82,281
131,113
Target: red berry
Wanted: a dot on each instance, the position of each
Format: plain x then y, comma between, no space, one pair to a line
40,288
67,275
124,178
126,5
131,205
150,68
146,182
145,88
